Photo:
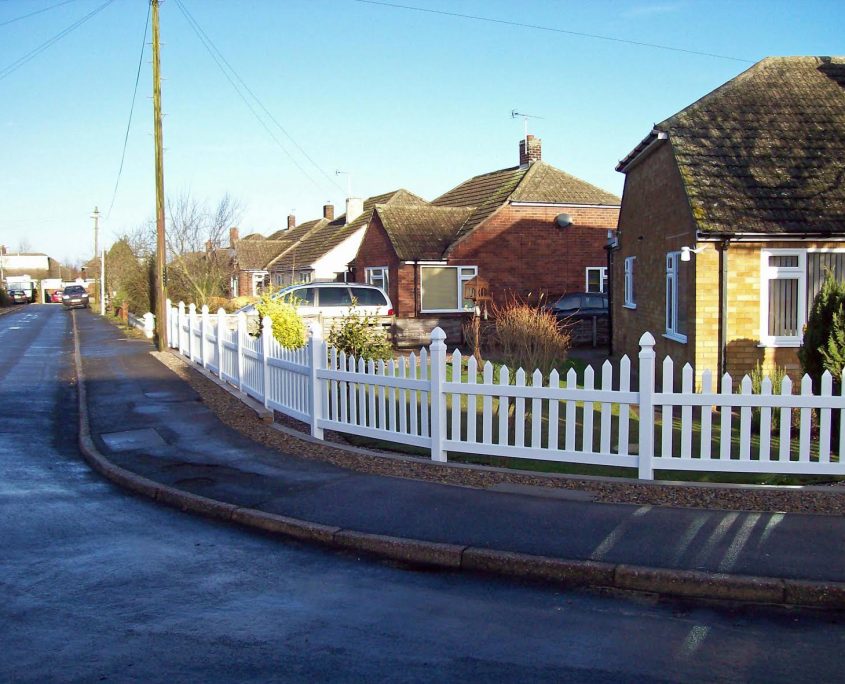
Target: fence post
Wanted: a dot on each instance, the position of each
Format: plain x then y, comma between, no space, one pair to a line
437,397
168,322
180,322
203,333
192,319
149,325
240,349
266,339
222,328
646,407
316,360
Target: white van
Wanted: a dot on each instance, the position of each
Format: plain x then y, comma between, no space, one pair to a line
333,300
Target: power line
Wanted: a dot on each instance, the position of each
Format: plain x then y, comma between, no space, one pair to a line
32,54
131,110
223,65
552,29
32,14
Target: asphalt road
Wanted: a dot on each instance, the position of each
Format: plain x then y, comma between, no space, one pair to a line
97,585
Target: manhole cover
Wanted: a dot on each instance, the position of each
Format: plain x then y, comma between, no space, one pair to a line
133,439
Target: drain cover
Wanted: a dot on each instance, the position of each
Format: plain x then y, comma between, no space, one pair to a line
133,439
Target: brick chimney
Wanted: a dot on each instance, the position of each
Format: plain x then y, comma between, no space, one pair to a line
530,150
291,221
233,235
328,212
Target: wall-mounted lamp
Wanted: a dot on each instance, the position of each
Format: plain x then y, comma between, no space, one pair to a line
686,251
563,220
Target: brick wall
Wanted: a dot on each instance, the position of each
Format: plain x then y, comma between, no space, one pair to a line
521,250
375,251
655,219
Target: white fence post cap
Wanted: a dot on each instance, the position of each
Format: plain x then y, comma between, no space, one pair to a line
647,340
315,329
437,335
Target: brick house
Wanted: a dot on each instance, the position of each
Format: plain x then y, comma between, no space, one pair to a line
502,227
732,210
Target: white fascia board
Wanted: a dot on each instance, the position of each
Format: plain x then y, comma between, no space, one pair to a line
422,262
567,205
768,237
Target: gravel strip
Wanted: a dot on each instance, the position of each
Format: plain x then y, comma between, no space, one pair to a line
235,414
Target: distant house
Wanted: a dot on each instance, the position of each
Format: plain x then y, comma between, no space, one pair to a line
330,245
528,230
250,256
732,210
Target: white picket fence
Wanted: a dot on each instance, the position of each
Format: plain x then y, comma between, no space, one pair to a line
448,404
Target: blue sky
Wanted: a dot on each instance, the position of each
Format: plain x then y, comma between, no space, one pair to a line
399,98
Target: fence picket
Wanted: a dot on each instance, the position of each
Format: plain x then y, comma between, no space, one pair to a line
624,410
362,392
391,371
382,399
371,414
424,396
487,407
455,428
666,412
806,421
352,390
519,412
745,422
765,422
686,412
606,415
706,418
403,400
587,412
472,379
504,379
554,405
571,384
726,432
824,419
343,389
536,412
412,373
785,450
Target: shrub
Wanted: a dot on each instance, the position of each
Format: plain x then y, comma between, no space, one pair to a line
232,305
361,336
819,330
530,337
288,327
833,352
4,297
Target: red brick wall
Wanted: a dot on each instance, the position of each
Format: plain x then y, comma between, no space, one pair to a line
655,219
375,251
520,250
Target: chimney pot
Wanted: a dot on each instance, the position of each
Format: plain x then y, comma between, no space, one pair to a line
233,235
291,221
328,212
530,150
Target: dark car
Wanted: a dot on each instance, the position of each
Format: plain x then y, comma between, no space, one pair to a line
577,306
18,296
75,296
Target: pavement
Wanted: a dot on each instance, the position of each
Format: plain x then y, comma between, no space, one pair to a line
147,430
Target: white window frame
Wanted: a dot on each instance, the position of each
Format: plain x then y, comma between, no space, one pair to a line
378,272
602,279
257,279
768,273
673,268
461,279
630,301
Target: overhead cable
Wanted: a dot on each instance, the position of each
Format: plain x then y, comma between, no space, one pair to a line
32,14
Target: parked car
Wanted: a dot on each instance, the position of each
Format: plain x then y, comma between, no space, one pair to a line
332,300
75,297
577,306
56,296
18,296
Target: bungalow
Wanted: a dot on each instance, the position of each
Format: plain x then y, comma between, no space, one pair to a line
732,211
329,246
528,230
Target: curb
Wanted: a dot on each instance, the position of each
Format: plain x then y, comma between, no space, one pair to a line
690,584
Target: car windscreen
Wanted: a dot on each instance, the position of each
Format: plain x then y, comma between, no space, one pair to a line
334,296
301,296
568,303
76,290
595,302
366,296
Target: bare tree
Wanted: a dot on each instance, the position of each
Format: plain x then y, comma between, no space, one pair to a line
198,264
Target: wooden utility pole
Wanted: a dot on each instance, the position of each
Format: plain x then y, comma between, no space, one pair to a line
161,289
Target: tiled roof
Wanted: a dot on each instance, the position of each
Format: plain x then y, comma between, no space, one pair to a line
538,182
765,152
325,237
254,255
422,231
253,236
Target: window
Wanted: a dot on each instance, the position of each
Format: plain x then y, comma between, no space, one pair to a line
377,276
335,296
442,287
302,296
676,304
630,302
596,279
366,296
783,297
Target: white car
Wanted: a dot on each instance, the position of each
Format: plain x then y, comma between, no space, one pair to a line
333,300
